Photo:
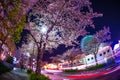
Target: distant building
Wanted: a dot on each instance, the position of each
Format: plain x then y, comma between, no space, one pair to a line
117,47
104,55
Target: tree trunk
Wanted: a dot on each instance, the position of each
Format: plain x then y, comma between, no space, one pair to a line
38,65
30,62
39,54
96,51
85,62
1,47
39,61
39,58
95,58
39,46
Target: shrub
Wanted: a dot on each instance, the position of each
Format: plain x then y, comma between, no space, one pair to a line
29,71
10,60
96,67
4,68
71,70
33,76
42,77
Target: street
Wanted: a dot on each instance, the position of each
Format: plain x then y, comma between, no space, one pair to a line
110,74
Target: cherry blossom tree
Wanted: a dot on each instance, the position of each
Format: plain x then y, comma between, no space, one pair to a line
71,55
54,22
12,21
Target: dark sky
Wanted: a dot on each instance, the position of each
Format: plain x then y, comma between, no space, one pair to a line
111,16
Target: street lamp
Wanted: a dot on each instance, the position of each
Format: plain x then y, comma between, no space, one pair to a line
43,29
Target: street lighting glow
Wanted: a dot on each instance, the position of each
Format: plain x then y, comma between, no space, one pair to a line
43,29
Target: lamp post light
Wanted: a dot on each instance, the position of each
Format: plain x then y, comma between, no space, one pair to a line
43,29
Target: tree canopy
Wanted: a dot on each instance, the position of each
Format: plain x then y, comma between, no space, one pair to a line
12,21
65,20
54,22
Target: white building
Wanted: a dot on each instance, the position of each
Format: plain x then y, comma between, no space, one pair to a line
117,48
104,54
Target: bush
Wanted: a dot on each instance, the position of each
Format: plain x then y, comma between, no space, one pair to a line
29,71
71,70
4,68
42,77
10,60
33,76
96,67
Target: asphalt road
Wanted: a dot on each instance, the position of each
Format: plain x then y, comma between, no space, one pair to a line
112,76
15,75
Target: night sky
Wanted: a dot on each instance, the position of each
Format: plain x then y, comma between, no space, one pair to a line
111,16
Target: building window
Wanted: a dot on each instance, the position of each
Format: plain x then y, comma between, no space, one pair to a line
100,54
91,58
104,53
88,59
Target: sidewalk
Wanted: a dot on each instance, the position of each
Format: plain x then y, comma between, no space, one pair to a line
15,75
